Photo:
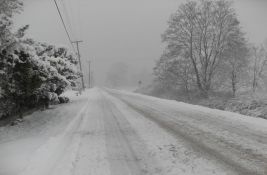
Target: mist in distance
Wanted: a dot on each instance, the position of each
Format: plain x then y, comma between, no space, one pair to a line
122,31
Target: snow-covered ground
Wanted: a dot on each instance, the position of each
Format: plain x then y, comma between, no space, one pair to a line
109,132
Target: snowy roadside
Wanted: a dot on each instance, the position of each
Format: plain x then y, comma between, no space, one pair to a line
216,113
114,132
18,142
38,120
237,141
246,103
173,156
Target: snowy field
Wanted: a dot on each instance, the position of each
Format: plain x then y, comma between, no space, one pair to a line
110,132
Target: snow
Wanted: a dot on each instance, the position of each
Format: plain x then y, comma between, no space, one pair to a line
46,156
251,122
229,138
104,132
172,156
38,137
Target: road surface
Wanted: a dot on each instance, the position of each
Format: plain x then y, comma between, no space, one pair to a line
110,132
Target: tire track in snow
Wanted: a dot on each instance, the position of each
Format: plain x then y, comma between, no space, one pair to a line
45,158
205,143
91,156
124,148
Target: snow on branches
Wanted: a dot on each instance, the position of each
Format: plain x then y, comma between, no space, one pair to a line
31,72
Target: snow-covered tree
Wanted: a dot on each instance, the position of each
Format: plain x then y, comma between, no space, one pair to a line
36,72
63,62
21,78
31,72
7,10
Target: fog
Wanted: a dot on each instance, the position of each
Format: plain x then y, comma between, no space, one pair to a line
124,32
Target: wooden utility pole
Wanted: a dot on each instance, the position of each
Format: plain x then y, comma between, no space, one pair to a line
79,57
89,76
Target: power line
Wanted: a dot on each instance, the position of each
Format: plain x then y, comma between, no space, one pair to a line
65,11
62,20
74,20
80,24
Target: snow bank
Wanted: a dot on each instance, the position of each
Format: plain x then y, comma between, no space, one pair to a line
251,122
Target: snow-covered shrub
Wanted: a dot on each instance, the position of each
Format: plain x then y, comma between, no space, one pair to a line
20,78
61,60
63,99
31,73
28,79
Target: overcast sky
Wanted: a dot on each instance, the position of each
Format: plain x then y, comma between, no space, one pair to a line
122,30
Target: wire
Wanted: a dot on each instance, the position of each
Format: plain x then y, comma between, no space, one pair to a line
80,24
65,11
64,25
75,11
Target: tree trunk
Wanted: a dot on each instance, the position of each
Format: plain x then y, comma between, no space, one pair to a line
199,84
20,111
234,84
205,93
187,91
254,83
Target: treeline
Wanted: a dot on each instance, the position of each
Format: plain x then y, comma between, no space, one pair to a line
31,73
206,49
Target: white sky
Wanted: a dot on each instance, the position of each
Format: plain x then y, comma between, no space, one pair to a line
122,30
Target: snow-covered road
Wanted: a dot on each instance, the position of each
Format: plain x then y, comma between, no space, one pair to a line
109,132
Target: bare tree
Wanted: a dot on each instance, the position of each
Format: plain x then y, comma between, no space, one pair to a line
258,64
237,60
175,72
201,32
